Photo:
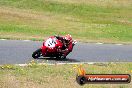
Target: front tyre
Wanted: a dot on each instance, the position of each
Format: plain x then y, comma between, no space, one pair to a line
37,53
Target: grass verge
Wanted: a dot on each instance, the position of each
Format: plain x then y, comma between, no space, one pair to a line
58,76
87,20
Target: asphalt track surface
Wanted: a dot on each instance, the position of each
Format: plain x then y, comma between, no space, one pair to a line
20,52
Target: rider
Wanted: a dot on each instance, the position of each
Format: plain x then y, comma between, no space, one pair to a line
67,44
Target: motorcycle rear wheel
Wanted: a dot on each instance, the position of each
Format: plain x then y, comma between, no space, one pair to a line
37,53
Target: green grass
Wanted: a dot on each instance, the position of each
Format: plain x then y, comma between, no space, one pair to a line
89,21
58,76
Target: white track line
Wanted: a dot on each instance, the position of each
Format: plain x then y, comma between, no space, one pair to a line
90,63
3,39
99,43
119,44
26,40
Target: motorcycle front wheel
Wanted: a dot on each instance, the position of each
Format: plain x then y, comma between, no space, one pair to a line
37,53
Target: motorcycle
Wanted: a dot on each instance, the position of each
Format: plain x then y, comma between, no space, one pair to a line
50,48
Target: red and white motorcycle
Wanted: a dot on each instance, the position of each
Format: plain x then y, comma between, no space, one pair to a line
50,48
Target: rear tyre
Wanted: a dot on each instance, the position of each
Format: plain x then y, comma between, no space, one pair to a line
37,53
62,57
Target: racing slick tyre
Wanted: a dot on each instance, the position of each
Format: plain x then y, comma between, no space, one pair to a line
62,57
37,53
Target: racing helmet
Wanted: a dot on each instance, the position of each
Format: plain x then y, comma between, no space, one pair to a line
68,38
